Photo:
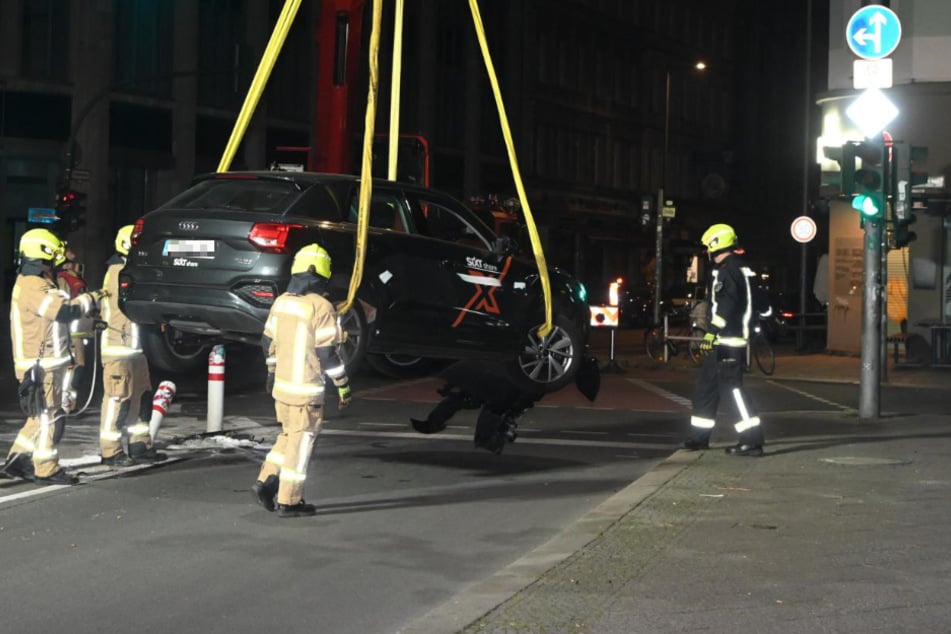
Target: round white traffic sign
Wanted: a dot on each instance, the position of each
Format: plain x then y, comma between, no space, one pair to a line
803,229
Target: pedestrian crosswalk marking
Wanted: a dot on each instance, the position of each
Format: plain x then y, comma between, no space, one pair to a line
670,396
844,408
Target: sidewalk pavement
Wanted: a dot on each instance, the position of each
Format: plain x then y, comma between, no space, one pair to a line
843,526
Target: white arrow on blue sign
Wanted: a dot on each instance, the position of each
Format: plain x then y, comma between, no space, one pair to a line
873,32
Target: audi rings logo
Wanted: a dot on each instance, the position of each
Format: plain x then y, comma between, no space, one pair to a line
188,225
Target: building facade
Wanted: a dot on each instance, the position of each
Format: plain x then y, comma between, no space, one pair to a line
134,97
917,278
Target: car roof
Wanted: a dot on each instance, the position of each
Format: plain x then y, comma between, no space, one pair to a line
311,178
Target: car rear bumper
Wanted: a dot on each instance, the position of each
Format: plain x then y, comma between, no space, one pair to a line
200,310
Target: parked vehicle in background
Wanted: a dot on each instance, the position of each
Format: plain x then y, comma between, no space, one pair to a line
437,283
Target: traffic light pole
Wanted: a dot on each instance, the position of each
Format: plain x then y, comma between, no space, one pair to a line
870,378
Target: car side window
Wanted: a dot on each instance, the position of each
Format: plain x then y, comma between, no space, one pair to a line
386,212
447,224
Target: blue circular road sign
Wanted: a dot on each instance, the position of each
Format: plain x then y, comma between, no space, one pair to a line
873,32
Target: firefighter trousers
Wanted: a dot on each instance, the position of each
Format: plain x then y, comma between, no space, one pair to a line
722,369
38,437
292,449
124,382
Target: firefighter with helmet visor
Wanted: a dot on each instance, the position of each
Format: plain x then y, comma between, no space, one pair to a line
731,306
126,384
300,343
40,314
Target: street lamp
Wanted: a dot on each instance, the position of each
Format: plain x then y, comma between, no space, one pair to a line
659,246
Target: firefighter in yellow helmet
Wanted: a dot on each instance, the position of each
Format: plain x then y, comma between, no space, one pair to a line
126,384
731,311
300,342
39,318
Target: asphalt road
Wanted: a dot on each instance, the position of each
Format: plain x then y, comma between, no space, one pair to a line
404,522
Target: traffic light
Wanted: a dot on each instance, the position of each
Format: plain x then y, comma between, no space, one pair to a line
71,209
870,189
843,181
903,236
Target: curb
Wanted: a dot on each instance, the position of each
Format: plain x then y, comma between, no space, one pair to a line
473,602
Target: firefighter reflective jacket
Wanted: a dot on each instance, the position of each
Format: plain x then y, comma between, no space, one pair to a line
36,334
120,340
731,303
297,326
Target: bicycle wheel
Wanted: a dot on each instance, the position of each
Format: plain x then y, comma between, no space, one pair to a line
693,347
654,343
763,353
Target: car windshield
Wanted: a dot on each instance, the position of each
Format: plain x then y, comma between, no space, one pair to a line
257,195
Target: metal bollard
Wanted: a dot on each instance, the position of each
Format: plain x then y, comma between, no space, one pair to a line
216,388
160,402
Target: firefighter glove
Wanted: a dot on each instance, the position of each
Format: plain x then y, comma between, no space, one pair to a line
707,344
344,396
99,295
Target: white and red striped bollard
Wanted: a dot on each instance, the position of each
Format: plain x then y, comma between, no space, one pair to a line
160,402
216,388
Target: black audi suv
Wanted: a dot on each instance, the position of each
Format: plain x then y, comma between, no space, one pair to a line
437,283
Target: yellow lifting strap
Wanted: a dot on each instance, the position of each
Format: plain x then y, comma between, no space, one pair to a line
395,81
546,328
366,168
261,76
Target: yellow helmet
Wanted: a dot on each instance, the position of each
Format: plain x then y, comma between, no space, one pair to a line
313,255
124,239
43,244
718,237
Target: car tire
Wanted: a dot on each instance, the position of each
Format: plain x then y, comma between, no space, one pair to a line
399,366
549,363
174,351
353,351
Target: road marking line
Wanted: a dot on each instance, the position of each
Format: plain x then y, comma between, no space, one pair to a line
679,400
844,408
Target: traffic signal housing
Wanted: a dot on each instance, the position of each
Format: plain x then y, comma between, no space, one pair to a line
71,209
870,186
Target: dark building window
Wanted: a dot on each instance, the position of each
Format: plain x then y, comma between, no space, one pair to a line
35,115
140,127
225,62
45,39
143,47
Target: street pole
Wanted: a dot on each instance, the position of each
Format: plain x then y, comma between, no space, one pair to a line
870,375
659,246
806,163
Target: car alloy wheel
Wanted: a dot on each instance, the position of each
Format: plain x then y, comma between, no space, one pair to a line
550,361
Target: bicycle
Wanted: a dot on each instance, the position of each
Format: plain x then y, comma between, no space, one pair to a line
664,341
760,350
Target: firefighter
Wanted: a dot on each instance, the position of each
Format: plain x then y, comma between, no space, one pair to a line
69,279
731,307
126,384
300,343
39,318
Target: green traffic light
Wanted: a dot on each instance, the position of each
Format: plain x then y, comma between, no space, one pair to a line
870,205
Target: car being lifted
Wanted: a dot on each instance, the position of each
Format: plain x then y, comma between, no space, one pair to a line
437,284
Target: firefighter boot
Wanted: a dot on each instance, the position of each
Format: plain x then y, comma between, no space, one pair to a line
119,459
301,509
140,453
265,492
58,477
19,466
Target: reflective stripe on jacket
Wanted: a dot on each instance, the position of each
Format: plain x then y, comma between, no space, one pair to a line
121,339
731,302
35,333
297,325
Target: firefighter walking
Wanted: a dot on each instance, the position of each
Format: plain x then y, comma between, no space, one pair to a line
731,311
127,386
300,343
39,317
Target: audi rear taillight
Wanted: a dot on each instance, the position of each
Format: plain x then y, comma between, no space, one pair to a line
137,231
271,237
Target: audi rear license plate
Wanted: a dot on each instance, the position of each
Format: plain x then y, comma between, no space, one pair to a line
185,252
